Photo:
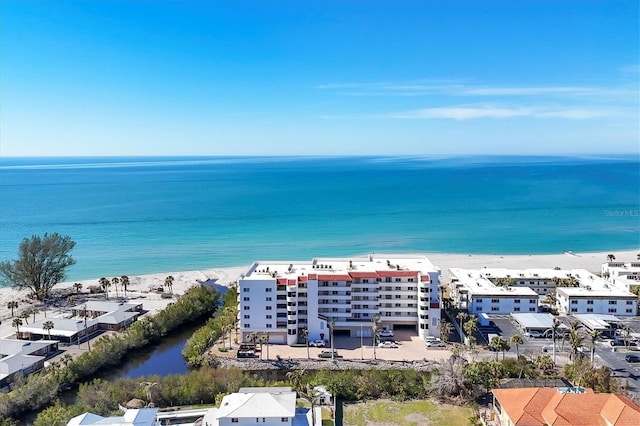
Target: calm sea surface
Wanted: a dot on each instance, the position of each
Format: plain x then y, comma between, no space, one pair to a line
142,215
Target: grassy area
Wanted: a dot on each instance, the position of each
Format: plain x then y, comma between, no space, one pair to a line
411,413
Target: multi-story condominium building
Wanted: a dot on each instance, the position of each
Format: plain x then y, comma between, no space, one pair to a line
502,291
475,292
288,298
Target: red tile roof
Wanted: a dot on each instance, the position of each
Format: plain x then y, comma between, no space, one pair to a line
302,279
398,273
334,277
282,280
547,406
364,274
292,282
313,276
425,278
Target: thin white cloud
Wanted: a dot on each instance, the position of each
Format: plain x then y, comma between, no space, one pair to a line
492,112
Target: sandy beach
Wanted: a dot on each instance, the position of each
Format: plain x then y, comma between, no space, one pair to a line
141,286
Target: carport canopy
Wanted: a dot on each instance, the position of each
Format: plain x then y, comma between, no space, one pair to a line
598,322
533,321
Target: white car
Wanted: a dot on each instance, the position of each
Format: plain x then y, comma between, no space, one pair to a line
386,333
317,343
435,344
387,345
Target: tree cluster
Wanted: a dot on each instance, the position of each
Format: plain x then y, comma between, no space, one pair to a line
38,390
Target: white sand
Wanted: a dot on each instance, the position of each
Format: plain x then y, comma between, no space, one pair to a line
140,285
139,288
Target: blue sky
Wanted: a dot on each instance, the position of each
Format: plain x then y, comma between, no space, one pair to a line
319,77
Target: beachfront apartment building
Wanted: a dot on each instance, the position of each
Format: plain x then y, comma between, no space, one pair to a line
288,298
502,291
475,292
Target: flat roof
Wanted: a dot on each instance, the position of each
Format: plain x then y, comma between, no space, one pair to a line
538,321
340,269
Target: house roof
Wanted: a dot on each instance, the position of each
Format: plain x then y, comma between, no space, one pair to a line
258,404
551,406
134,417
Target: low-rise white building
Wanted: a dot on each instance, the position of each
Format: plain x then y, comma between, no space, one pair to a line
20,357
288,298
624,275
502,291
475,292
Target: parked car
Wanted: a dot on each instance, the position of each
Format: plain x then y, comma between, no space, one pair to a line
387,345
327,354
317,343
536,334
435,344
386,333
246,353
632,358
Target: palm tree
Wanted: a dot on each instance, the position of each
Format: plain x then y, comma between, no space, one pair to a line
554,332
48,325
124,282
25,315
265,338
575,340
168,282
295,378
77,287
611,257
594,336
375,327
332,325
544,363
85,329
470,329
17,322
115,281
304,333
499,344
12,305
105,284
461,316
516,340
148,390
34,311
445,329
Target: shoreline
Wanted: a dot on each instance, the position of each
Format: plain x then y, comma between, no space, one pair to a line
141,285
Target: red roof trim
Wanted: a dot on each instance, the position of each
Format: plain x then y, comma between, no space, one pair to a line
302,278
282,280
398,273
292,282
364,274
334,277
425,279
313,276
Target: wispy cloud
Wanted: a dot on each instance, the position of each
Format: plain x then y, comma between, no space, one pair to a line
493,112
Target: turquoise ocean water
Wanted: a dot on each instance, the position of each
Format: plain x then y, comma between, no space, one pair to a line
144,215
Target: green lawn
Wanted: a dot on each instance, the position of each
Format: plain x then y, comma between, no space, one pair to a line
411,413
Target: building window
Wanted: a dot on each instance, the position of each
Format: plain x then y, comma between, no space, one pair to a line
574,302
495,308
533,301
398,280
613,302
234,420
268,299
365,280
516,309
478,300
495,300
410,280
246,308
269,316
629,311
398,296
268,308
589,309
268,289
246,299
532,309
574,309
516,301
478,308
612,310
247,316
589,302
629,302
284,419
268,325
247,326
245,289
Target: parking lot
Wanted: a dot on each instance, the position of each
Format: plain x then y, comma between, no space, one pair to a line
410,348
